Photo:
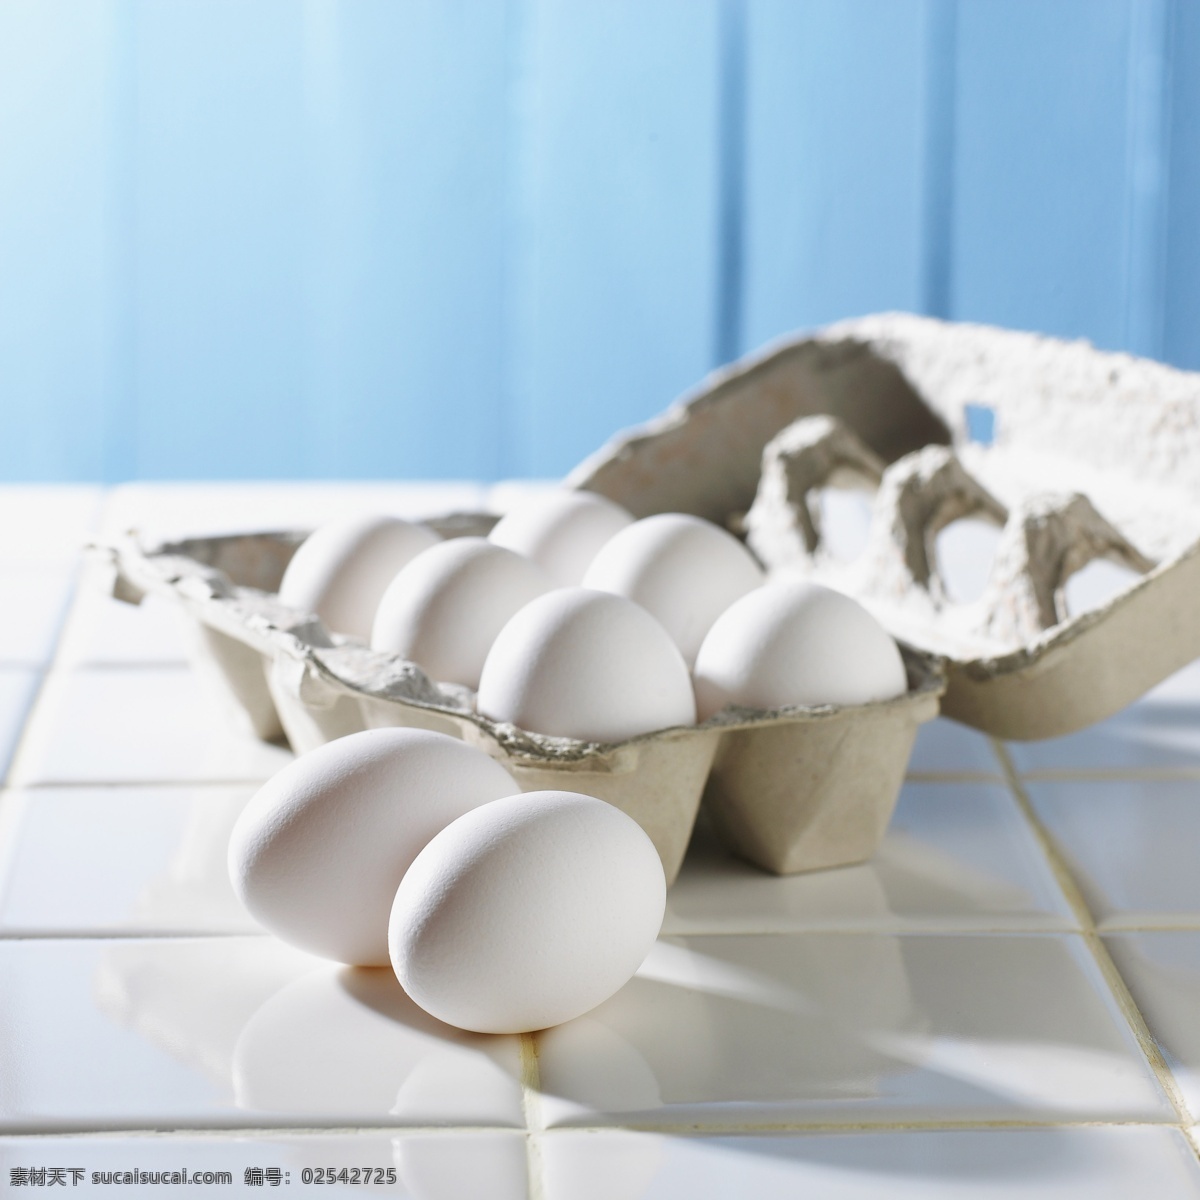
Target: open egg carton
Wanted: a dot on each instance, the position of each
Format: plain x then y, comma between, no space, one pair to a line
791,789
1074,456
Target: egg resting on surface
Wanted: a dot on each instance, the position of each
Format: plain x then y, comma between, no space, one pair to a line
318,853
341,570
681,569
791,642
527,912
588,665
561,531
445,608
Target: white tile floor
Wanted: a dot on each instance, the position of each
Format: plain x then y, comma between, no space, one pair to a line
1004,1002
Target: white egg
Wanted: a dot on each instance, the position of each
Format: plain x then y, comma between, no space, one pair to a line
583,664
319,851
683,570
796,643
561,531
444,609
340,571
527,912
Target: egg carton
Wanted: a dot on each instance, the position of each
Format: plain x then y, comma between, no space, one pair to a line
1074,454
792,789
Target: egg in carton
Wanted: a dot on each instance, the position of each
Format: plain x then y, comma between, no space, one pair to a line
1074,455
791,789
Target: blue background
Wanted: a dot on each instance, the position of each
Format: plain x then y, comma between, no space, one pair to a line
427,238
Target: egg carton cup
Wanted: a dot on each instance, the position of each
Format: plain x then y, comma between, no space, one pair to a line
792,789
1074,454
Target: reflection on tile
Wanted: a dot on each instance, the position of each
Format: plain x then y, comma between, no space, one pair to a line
1132,845
32,602
728,1032
1050,1164
946,747
450,1166
121,860
463,1166
957,855
242,1031
46,523
137,724
1160,730
1162,971
17,688
101,630
161,511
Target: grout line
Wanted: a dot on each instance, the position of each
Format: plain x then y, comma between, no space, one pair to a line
1182,773
257,1131
1192,1137
34,785
981,776
1095,943
916,1125
112,667
1187,923
531,1106
197,785
229,1129
684,1129
18,933
117,934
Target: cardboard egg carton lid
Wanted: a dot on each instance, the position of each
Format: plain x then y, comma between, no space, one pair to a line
1076,453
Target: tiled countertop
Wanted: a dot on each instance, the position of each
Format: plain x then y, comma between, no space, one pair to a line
1006,1001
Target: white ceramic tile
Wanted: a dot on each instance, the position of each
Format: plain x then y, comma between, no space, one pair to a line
102,631
730,1032
463,1166
956,855
1162,970
33,600
1132,845
46,523
17,688
1030,1164
134,725
445,1166
510,492
233,1031
945,747
162,511
1161,730
120,860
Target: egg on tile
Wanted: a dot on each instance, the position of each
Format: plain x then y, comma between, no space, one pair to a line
341,570
527,912
681,569
318,853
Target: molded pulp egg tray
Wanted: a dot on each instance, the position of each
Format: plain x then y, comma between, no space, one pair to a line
1075,453
883,404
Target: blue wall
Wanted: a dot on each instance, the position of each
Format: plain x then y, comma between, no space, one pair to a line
429,238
